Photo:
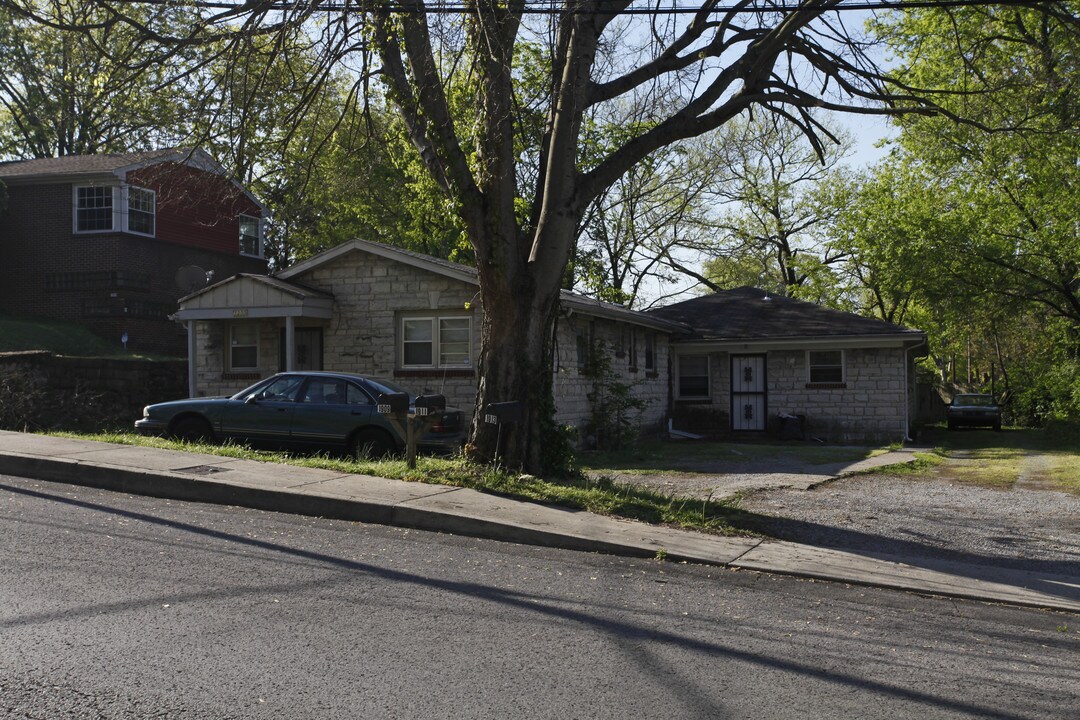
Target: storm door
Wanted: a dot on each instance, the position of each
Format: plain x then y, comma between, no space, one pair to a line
748,392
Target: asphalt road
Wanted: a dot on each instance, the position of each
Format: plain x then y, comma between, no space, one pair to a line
113,606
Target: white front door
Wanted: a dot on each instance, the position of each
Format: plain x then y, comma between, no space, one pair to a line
748,392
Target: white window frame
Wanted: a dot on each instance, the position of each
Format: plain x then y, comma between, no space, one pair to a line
229,348
259,226
114,195
436,321
127,193
708,376
810,367
120,198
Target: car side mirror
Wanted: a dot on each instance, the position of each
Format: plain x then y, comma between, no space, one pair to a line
251,399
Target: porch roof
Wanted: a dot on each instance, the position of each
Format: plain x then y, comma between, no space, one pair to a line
255,296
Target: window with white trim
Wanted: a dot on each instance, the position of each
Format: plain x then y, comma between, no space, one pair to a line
251,236
93,209
106,208
243,347
692,376
441,341
825,366
140,211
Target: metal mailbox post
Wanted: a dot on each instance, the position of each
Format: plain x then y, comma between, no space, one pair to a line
504,413
417,418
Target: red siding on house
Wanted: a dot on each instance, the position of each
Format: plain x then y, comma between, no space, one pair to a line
195,208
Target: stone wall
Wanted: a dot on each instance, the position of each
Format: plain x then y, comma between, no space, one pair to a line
85,393
870,406
613,339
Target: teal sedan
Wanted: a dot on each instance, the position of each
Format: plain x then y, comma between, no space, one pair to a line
301,411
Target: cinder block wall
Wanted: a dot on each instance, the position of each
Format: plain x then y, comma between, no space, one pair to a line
868,408
573,386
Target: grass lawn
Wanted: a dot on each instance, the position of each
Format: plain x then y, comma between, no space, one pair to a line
1048,458
659,457
20,333
582,492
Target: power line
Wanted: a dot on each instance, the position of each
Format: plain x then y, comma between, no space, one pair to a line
554,7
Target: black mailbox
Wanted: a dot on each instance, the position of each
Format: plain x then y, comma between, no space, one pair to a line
504,412
430,404
394,404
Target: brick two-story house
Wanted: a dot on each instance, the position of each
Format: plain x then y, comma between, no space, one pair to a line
101,239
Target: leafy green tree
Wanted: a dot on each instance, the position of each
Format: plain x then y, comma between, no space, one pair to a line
521,210
1013,191
60,94
775,186
985,233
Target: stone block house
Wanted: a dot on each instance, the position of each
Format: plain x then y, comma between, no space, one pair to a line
101,239
377,310
719,365
747,359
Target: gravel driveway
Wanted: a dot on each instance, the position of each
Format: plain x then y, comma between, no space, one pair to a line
1028,527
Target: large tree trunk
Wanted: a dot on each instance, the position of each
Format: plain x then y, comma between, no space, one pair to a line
517,344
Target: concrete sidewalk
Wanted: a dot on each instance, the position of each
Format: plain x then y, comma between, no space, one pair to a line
324,493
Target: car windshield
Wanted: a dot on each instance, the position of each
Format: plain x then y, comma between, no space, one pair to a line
278,387
973,400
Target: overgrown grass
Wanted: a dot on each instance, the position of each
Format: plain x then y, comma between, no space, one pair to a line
924,463
999,460
653,457
601,495
21,333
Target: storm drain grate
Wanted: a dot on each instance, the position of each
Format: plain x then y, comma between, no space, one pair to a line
201,469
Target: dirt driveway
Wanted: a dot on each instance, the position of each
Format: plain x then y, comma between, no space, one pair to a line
952,512
995,500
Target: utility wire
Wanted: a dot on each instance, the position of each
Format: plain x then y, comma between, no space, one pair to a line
552,7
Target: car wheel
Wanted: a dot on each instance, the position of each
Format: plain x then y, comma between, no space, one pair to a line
193,429
371,444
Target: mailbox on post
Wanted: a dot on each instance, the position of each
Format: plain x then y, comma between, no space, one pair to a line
430,405
394,404
504,413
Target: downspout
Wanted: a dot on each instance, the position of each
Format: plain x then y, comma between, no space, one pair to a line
910,392
191,346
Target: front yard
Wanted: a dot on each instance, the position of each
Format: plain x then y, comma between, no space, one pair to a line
1009,499
972,486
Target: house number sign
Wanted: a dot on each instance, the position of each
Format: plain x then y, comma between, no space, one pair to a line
241,313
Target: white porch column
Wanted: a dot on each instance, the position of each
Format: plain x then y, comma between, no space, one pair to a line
191,359
290,343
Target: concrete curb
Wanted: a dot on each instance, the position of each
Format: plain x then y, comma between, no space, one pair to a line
319,493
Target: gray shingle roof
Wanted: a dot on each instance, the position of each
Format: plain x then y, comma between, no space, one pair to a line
86,164
745,314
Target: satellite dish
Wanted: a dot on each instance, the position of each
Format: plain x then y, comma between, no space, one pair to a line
191,278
